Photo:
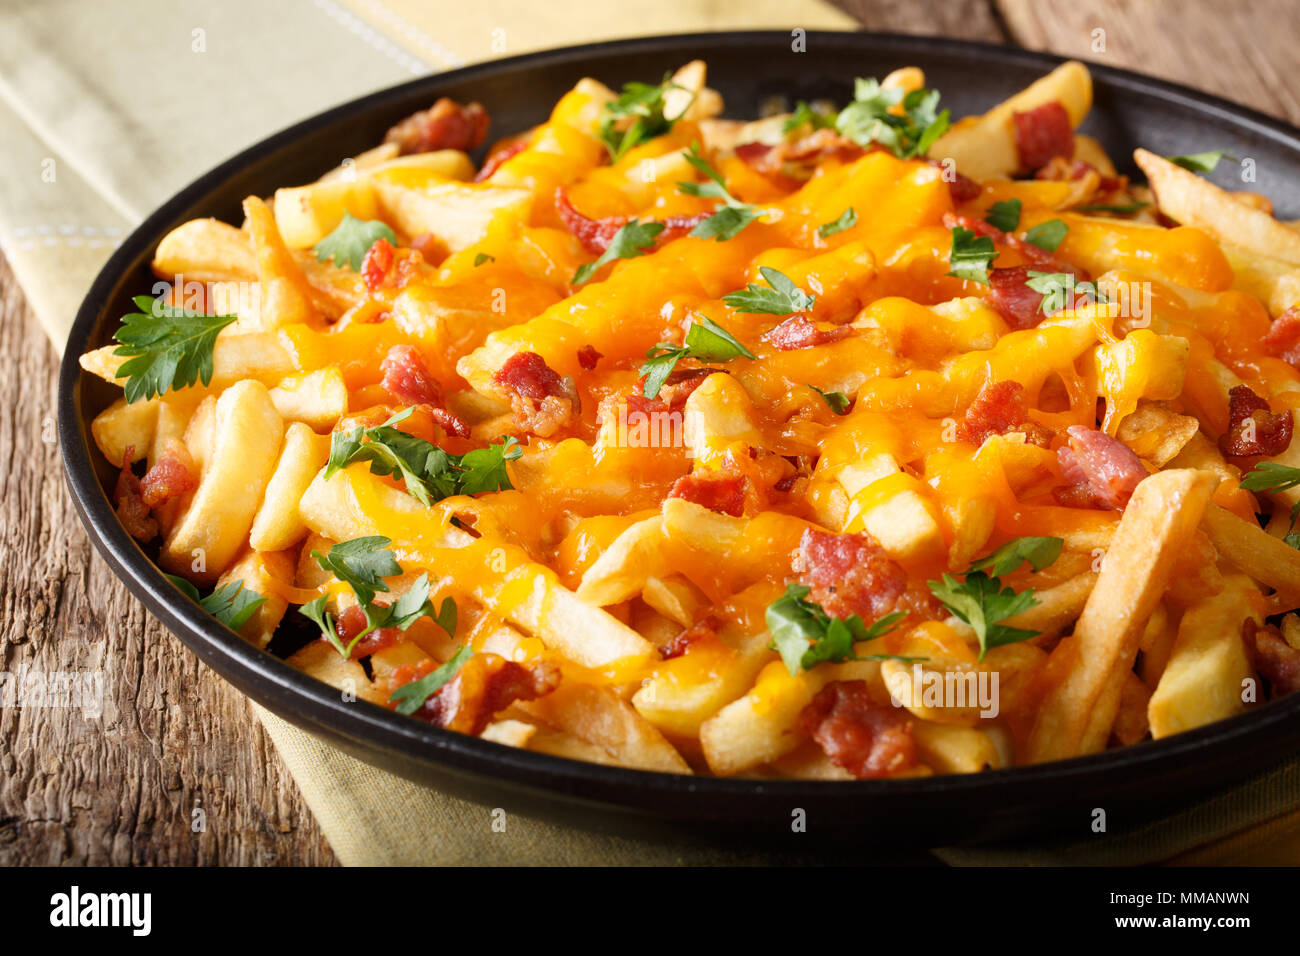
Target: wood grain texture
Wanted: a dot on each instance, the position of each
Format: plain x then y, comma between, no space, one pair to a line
170,736
121,787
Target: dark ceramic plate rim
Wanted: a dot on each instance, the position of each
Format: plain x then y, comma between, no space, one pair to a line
369,728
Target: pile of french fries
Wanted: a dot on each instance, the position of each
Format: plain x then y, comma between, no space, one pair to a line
586,561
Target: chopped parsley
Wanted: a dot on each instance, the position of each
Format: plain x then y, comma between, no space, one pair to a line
805,114
636,115
867,119
1201,162
847,220
632,239
1058,289
729,219
231,603
837,401
429,473
351,239
805,635
169,347
1048,235
411,697
982,602
1004,215
782,298
705,340
971,255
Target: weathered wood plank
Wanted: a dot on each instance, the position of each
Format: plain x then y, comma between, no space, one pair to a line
120,787
964,19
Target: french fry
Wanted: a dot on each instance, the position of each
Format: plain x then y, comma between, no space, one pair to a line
622,571
598,716
1077,715
455,215
947,748
985,147
1204,679
1157,434
277,524
1193,201
255,355
321,661
205,250
1254,550
318,398
267,574
215,525
122,426
286,295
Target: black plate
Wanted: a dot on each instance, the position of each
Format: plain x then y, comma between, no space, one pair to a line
747,68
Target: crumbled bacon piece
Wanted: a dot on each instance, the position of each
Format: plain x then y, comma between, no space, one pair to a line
1042,133
673,393
408,380
131,509
1283,337
1000,408
542,401
500,156
1061,169
704,630
797,332
172,475
865,738
596,234
801,154
485,685
445,125
588,357
723,492
1275,660
963,189
378,262
351,622
1010,295
1041,259
851,574
1254,429
1100,471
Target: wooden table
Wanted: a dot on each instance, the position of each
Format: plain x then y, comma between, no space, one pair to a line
122,788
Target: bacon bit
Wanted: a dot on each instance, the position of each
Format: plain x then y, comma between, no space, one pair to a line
408,380
131,509
1010,295
1248,413
797,332
588,357
1042,260
999,408
673,393
171,476
377,263
851,574
1283,338
963,189
542,401
719,491
1042,133
705,630
485,685
596,234
802,154
1275,660
1061,169
865,738
500,156
352,622
445,125
1100,471
429,246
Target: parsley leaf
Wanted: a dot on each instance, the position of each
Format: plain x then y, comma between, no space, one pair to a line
1048,235
731,217
1270,476
482,258
847,220
982,602
1058,288
1292,540
805,635
783,298
429,473
839,402
1004,215
411,697
1201,162
867,119
351,240
632,239
806,114
169,347
232,604
362,564
643,105
1039,552
971,255
705,340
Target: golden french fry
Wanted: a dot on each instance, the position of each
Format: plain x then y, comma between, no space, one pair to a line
277,524
1204,678
1187,198
214,526
984,147
256,355
1254,550
1156,433
600,717
1077,715
321,661
286,295
205,250
456,215
318,398
122,426
948,748
622,571
267,574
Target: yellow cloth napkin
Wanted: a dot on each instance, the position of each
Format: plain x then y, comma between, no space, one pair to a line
108,109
